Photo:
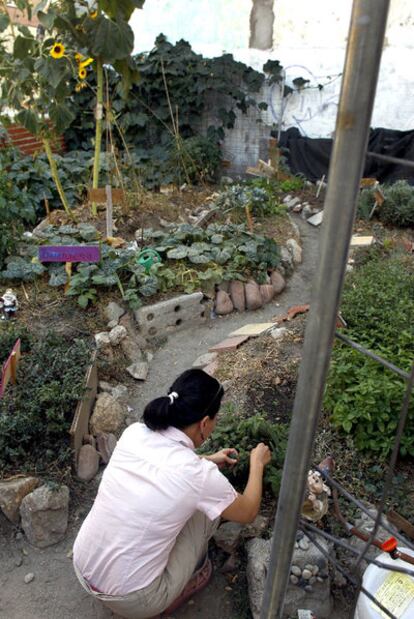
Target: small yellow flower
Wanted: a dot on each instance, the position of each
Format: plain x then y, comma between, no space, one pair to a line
93,15
80,86
85,63
78,57
57,50
82,73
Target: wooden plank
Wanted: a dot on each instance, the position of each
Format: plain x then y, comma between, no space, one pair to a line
9,368
80,423
99,195
401,523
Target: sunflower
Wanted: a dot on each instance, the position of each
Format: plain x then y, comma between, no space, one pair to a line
57,50
93,14
82,73
85,63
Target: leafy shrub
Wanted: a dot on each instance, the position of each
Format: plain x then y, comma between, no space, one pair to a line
292,184
259,198
9,333
37,412
244,434
364,397
398,206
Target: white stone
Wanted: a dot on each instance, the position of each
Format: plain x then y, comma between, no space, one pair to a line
117,334
279,333
139,370
102,340
316,219
28,578
295,250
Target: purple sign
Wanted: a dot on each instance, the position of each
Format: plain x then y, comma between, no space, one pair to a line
69,253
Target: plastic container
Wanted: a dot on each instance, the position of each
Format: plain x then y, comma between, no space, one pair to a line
394,590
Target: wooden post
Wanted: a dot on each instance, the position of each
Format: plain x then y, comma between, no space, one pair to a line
13,367
109,223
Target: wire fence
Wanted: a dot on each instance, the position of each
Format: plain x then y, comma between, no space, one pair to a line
366,35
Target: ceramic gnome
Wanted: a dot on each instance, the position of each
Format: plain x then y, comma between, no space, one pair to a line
315,505
9,304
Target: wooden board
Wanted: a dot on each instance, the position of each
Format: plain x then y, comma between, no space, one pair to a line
253,330
80,423
99,195
9,369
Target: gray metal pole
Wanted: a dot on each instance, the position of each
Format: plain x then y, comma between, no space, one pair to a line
366,35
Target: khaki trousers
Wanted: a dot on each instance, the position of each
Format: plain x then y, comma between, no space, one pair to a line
190,547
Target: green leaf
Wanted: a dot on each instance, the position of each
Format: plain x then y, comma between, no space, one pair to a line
23,47
178,253
112,40
29,120
4,21
61,116
46,19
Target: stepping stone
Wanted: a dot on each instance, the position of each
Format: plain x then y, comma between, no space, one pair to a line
316,219
230,344
361,241
253,330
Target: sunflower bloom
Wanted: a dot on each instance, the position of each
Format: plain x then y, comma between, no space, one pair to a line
57,51
78,57
93,15
82,73
85,63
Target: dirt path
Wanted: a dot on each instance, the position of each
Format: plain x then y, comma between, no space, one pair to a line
54,593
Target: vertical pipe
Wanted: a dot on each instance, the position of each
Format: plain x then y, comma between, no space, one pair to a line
359,82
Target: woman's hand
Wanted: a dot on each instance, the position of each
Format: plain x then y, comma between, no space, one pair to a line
223,457
260,455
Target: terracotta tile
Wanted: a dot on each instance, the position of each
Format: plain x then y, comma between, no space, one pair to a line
231,343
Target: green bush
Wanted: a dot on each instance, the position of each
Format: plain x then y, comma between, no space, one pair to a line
398,206
37,412
259,196
364,397
244,434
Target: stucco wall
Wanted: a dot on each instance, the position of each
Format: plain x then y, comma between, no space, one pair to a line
309,39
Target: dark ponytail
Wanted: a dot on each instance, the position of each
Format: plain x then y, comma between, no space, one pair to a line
192,396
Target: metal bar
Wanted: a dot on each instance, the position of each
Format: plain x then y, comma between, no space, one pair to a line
372,355
402,162
349,576
362,62
393,461
340,542
364,509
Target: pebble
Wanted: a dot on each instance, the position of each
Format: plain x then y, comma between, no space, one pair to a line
24,551
312,580
304,544
319,579
28,578
294,579
309,567
19,535
18,561
315,570
306,574
295,569
228,589
308,588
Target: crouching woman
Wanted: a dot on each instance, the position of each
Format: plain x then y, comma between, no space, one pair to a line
142,549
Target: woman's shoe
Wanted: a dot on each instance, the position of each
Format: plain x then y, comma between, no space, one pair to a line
197,582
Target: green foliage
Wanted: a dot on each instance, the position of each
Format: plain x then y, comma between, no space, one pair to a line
260,196
291,184
244,434
37,412
398,206
365,398
9,333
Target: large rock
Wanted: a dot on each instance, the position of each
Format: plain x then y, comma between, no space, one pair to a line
131,349
44,515
88,463
224,304
106,444
139,370
117,334
114,312
128,322
278,282
203,360
295,250
253,296
102,340
286,260
228,535
267,292
238,295
107,416
12,493
309,572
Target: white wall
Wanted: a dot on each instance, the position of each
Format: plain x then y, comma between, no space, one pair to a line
309,39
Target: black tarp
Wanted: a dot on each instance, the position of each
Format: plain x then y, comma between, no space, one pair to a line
310,156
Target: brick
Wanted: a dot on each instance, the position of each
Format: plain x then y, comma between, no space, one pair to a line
173,315
229,344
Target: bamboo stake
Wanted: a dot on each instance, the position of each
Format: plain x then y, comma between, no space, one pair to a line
55,175
98,130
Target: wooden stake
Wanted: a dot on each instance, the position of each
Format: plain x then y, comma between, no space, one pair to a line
109,222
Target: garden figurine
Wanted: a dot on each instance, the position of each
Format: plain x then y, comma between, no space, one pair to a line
9,304
142,549
315,505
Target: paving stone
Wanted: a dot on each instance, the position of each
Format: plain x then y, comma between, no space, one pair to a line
171,315
230,344
211,368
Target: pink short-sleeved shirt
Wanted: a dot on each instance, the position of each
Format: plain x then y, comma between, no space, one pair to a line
152,485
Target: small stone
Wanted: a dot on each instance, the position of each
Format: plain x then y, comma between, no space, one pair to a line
204,360
107,416
295,569
117,334
237,295
315,570
267,292
287,199
19,535
88,463
131,349
228,588
253,297
112,324
25,552
256,528
295,250
278,334
69,554
104,386
227,536
294,579
139,370
278,281
312,580
190,602
308,588
307,211
292,203
28,578
316,219
113,312
309,567
226,180
319,579
18,561
230,565
304,544
102,340
119,392
223,303
306,574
